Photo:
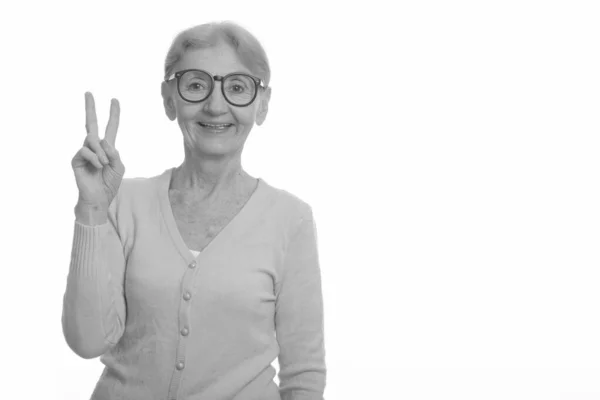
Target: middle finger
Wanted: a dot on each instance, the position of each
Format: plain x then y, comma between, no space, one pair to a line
113,122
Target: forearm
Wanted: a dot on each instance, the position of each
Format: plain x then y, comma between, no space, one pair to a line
303,380
299,319
302,351
93,306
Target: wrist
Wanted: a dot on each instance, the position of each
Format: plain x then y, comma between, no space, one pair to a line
91,213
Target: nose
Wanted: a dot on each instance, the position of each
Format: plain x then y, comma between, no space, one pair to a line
216,103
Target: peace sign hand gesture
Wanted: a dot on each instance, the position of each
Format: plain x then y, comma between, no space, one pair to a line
97,166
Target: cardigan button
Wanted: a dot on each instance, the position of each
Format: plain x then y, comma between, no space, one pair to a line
192,264
180,365
187,296
185,331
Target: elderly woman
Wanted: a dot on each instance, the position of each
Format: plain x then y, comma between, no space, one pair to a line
189,284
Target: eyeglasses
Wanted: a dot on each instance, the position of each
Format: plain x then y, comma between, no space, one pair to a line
195,86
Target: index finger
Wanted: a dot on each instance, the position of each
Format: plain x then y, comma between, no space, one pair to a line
91,123
113,122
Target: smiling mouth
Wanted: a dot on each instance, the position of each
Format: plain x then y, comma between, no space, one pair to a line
215,126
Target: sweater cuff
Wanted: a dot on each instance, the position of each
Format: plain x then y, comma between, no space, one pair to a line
86,245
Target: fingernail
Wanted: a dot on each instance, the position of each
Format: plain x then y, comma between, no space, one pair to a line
104,160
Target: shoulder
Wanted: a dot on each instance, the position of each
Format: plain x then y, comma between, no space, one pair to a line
288,205
139,186
136,191
136,200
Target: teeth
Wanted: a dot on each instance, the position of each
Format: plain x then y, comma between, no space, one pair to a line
220,126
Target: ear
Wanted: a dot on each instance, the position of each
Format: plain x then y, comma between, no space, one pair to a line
263,106
168,101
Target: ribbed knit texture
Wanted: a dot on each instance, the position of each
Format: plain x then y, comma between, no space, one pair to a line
168,325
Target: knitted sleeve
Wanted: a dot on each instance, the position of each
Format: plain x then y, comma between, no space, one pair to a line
299,317
94,312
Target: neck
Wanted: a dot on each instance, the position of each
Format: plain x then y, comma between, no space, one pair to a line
206,177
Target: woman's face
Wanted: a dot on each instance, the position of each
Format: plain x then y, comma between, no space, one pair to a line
193,118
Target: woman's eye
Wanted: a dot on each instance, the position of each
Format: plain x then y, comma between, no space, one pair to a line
236,88
195,86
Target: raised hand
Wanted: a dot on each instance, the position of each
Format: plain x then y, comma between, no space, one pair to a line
97,165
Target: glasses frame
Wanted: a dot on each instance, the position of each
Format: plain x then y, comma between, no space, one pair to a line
258,83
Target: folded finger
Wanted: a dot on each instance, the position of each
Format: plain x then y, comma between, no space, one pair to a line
93,143
88,155
114,157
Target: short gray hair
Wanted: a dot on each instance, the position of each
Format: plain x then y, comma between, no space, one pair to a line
247,47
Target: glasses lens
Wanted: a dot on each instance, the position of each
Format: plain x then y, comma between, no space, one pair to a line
195,85
239,89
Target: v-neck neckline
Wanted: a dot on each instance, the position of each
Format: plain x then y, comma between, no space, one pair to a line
169,217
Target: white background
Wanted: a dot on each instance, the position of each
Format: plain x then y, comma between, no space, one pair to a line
449,151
